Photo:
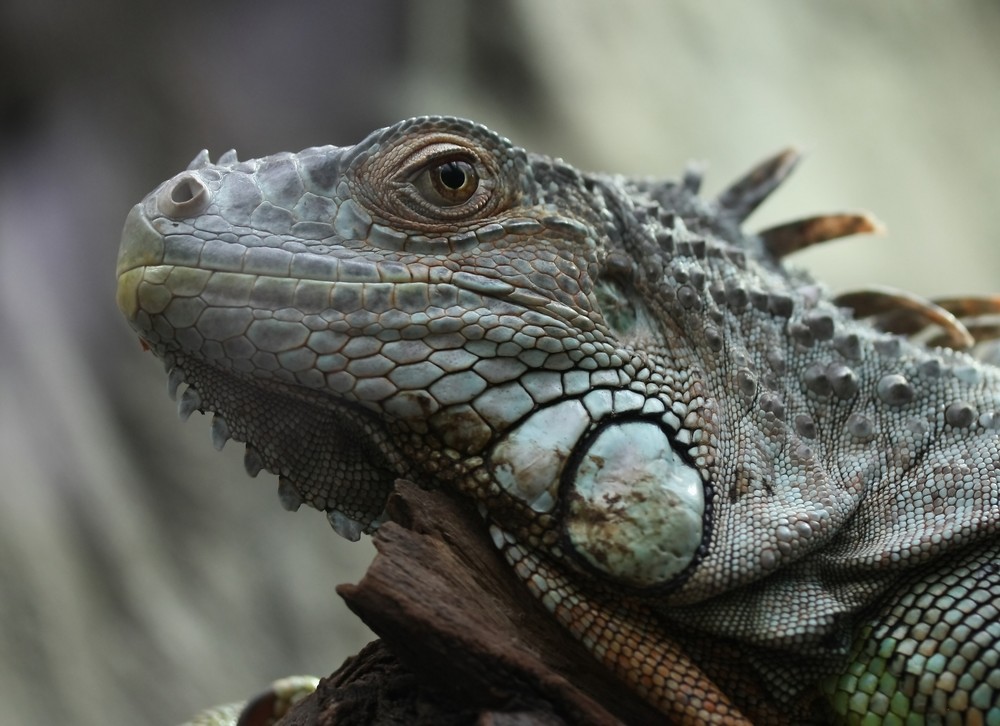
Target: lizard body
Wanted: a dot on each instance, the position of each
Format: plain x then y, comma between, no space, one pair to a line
743,501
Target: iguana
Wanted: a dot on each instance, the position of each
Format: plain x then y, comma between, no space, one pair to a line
746,500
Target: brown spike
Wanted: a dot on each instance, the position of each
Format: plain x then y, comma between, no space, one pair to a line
981,334
971,307
979,314
745,194
903,313
784,239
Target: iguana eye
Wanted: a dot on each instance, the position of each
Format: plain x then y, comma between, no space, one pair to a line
448,183
423,183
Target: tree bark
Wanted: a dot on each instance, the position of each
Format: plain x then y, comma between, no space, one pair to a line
462,640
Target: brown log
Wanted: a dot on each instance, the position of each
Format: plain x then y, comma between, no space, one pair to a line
462,641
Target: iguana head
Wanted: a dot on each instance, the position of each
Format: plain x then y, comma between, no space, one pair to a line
437,304
358,314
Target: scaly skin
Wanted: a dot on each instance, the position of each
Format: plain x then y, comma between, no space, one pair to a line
745,503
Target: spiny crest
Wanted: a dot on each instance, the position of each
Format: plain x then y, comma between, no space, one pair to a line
962,322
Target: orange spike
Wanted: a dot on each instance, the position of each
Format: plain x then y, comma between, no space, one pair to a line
784,239
903,313
971,307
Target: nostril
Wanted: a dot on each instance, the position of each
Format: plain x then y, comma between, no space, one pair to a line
185,191
186,196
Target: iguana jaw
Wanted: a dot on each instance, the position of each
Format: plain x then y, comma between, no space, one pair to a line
218,327
350,357
332,455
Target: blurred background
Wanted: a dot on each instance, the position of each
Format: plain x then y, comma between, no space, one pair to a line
142,574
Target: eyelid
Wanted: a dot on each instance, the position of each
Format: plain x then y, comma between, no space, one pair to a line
435,154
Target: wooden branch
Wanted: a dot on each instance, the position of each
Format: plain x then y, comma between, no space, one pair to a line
462,641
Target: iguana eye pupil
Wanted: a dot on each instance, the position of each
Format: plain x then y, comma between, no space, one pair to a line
452,175
453,182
